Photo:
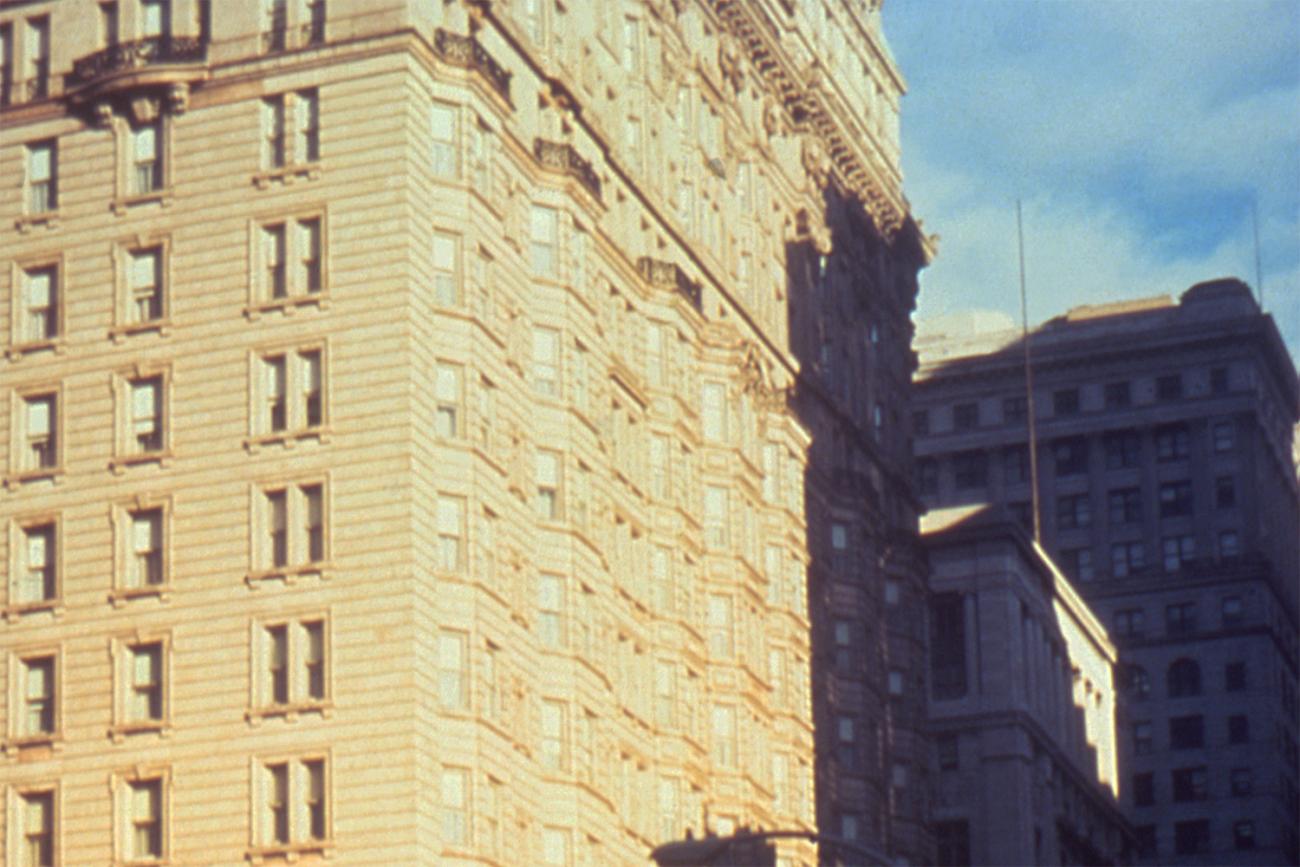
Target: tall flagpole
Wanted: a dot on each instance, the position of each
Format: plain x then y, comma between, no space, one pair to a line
1029,385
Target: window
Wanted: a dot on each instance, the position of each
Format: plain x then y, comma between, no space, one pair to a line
1070,456
1144,790
445,152
1238,729
307,128
1118,395
156,19
314,29
970,470
143,688
548,474
1073,511
1180,619
146,172
1178,551
927,476
1015,465
713,411
143,810
947,646
1189,784
1137,682
716,510
145,565
277,25
294,805
273,142
1225,492
920,423
555,736
1191,838
450,521
6,63
551,630
895,682
1218,380
555,847
1186,732
846,750
145,426
292,262
1078,564
453,670
1127,558
38,57
1014,410
446,270
948,749
293,671
1224,436
544,227
40,428
454,791
965,416
1123,449
546,361
1243,835
1242,782
37,566
293,528
1169,387
1142,744
724,736
952,842
448,397
1229,545
1124,506
720,626
1065,401
1130,622
1232,611
291,394
1175,499
1184,678
1172,443
278,148
34,830
145,295
36,703
1234,676
40,313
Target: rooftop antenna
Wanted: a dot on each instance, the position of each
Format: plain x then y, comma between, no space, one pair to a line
1259,274
1029,385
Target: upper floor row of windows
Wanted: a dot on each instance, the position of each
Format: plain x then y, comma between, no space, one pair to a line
1071,401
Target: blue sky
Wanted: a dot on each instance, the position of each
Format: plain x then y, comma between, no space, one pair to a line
1137,134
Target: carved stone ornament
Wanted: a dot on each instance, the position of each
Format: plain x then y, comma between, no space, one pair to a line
772,120
815,161
178,98
103,113
729,63
144,109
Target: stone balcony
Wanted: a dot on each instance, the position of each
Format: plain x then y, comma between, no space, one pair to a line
170,64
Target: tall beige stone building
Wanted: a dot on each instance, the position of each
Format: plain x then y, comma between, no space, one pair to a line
423,419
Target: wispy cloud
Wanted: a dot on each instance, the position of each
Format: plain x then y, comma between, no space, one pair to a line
1137,135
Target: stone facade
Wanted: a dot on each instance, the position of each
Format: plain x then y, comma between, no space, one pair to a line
1022,705
1169,494
426,422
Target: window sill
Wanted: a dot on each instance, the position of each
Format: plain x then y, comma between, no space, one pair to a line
45,743
287,439
121,596
18,350
27,222
122,463
287,306
53,474
162,197
16,612
119,333
119,733
290,852
290,713
285,175
290,575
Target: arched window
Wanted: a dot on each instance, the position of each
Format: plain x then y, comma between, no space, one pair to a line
1184,678
1137,682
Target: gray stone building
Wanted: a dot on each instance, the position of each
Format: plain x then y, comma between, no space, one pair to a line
1168,492
1022,706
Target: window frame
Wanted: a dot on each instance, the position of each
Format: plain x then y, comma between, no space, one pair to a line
125,723
18,738
281,139
453,144
261,432
15,811
125,455
125,323
125,193
299,701
19,527
20,472
21,272
123,783
50,212
297,538
261,845
122,515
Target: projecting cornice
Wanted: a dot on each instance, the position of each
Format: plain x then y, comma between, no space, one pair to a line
861,171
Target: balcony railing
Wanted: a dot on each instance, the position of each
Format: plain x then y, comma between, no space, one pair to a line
467,53
669,275
562,157
139,54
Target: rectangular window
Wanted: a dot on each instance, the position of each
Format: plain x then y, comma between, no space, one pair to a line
454,790
1169,387
145,567
555,841
146,422
1242,782
38,575
716,520
1225,492
1065,401
1180,619
927,477
294,804
554,732
40,449
965,416
550,611
314,29
38,57
6,64
920,423
1243,835
1172,443
720,626
1123,449
1238,729
1144,789
448,400
1118,395
660,451
144,819
1232,611
1070,456
1142,743
146,173
1015,465
970,470
293,521
1176,499
952,840
546,361
273,142
543,240
42,177
1130,622
445,153
948,646
36,827
1224,434
1218,380
1178,551
1127,558
1186,732
1078,563
1073,511
38,717
453,670
303,107
40,305
1234,676
450,520
1229,545
713,410
724,736
1191,838
294,664
1189,784
446,270
156,18
1124,506
1015,410
306,126
144,698
293,374
548,474
145,285
291,256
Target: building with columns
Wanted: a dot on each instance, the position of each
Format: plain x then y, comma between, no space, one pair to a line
456,432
